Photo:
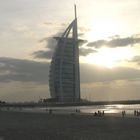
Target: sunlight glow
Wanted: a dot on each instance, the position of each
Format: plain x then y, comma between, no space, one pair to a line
109,57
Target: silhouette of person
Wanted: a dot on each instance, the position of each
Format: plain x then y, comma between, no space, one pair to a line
103,113
95,114
50,111
135,112
123,113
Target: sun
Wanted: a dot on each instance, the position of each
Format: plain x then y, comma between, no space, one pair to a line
109,57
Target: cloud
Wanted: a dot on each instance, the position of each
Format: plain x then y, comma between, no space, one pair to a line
115,42
24,80
12,69
92,74
43,54
31,71
97,44
50,47
86,51
135,59
50,42
84,29
48,23
47,54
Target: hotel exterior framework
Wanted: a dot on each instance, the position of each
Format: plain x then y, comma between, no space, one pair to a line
64,77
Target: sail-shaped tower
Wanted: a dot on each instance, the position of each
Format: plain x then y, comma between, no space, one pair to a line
64,77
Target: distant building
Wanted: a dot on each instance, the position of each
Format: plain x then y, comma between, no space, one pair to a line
64,78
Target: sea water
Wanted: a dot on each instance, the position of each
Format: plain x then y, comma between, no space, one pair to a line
115,108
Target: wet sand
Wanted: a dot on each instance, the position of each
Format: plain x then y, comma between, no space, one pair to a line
41,126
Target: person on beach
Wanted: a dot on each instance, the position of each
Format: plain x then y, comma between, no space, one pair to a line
99,113
135,113
123,113
103,113
95,114
50,111
77,111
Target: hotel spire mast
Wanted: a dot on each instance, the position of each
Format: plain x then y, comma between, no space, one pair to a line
77,69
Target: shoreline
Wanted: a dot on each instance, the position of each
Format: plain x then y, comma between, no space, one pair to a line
67,113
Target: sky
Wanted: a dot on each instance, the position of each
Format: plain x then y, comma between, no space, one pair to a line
109,58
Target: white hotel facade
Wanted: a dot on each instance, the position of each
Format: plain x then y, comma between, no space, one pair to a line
64,77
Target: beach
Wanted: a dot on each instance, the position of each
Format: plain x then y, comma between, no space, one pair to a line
44,126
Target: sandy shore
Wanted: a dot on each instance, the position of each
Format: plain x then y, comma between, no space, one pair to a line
41,126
